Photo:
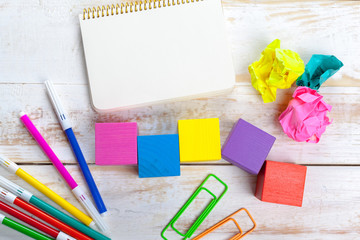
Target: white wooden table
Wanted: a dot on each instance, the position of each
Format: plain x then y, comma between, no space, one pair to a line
41,40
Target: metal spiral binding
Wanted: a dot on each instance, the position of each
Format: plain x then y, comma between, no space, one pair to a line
107,10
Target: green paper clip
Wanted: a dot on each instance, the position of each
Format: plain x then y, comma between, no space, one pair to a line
202,216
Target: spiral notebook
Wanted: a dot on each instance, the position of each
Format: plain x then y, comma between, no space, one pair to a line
146,52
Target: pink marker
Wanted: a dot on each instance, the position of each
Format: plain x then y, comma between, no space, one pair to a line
77,190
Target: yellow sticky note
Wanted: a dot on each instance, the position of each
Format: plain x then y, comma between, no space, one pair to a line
199,140
277,68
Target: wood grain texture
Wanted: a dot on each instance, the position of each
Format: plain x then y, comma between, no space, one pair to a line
281,183
47,33
243,102
141,208
316,27
41,40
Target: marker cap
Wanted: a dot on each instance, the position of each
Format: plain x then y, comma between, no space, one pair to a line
8,164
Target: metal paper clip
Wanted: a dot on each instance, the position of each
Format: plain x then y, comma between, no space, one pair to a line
228,219
202,216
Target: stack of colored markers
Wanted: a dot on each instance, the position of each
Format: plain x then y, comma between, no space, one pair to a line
56,224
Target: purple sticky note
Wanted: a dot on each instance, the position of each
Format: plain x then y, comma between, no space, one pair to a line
247,147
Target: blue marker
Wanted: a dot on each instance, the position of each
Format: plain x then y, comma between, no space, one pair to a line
66,126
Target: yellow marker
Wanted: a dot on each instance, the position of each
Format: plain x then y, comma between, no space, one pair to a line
199,140
14,168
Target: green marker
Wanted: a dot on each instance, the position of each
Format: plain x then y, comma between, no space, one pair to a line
30,198
21,228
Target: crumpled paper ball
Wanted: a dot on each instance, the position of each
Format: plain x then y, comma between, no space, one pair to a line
305,118
318,70
277,68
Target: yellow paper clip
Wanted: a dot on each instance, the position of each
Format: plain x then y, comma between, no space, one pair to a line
228,219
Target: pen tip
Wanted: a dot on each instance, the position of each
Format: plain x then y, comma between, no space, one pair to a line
22,114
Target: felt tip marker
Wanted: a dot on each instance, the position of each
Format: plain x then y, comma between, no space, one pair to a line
31,198
21,228
58,235
66,126
14,168
10,198
76,189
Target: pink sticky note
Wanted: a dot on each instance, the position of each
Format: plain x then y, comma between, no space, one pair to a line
116,143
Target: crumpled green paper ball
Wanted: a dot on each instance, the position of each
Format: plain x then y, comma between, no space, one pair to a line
318,70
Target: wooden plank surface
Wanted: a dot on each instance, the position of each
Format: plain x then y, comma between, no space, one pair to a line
141,208
44,40
243,102
41,40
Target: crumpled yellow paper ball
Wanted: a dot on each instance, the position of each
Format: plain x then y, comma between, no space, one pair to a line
277,68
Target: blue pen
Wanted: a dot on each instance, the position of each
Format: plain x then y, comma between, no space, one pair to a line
66,126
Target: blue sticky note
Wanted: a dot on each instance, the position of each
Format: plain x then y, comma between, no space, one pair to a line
158,156
318,70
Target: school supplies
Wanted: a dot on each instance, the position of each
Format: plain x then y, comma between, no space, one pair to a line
277,68
318,70
247,146
30,198
159,155
12,199
215,200
21,228
146,52
14,168
305,118
35,223
281,183
66,126
116,143
199,140
76,189
226,220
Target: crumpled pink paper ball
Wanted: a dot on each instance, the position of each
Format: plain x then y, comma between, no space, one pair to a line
305,117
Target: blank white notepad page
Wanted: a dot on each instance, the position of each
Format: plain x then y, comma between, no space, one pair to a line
138,58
